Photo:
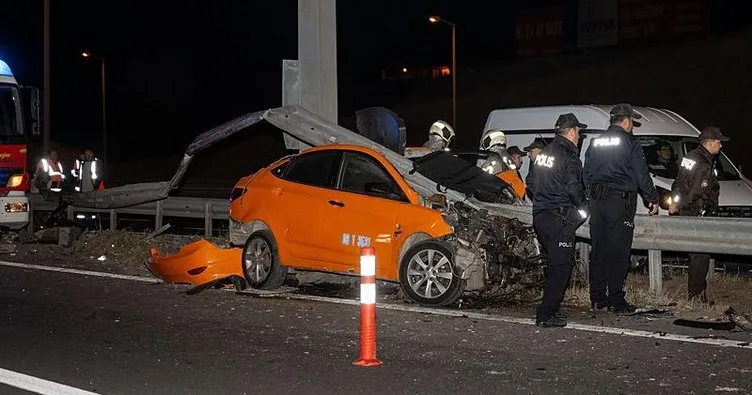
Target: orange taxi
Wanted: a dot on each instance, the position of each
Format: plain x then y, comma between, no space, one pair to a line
315,210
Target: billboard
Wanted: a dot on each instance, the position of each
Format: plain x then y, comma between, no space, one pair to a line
642,20
540,32
597,23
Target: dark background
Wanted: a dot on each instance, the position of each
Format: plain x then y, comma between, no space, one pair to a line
175,69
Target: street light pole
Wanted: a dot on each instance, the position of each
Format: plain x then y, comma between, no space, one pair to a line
437,19
454,76
104,103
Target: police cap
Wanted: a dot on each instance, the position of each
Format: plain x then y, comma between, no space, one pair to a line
624,110
713,133
568,120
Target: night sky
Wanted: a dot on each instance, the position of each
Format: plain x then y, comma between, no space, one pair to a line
176,69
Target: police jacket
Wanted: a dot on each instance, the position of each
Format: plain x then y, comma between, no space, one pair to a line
696,187
616,159
556,181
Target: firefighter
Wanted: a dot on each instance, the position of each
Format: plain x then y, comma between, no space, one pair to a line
440,135
51,167
615,170
88,172
695,193
496,141
76,169
558,210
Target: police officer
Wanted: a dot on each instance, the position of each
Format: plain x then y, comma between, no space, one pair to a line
695,193
533,149
440,135
558,210
615,170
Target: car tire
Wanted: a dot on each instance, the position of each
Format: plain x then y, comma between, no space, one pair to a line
426,274
260,261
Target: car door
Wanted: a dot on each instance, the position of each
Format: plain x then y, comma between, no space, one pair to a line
299,204
361,213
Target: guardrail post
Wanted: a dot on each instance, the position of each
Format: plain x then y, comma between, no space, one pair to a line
113,219
208,219
158,216
656,271
583,265
711,269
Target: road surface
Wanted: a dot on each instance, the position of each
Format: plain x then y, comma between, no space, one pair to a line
118,336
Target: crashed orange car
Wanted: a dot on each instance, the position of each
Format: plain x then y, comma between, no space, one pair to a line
314,211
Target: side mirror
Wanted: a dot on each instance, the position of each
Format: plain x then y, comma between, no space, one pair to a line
30,95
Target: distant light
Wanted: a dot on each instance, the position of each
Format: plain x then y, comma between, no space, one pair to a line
404,69
5,69
85,54
434,19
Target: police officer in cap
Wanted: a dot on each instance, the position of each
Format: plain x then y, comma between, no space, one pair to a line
615,170
533,149
695,193
558,196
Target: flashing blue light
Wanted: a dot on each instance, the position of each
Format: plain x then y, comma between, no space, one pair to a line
5,69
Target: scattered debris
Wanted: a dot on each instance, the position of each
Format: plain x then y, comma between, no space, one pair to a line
738,319
702,323
102,258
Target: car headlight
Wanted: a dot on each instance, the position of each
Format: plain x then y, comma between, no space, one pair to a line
15,180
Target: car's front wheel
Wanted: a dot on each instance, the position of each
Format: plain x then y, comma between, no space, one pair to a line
427,275
261,266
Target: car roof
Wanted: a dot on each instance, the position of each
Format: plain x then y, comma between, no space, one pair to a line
654,121
345,147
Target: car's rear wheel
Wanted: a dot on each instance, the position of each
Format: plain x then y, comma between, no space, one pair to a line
261,267
427,274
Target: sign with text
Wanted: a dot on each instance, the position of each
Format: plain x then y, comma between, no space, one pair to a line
597,23
641,20
540,32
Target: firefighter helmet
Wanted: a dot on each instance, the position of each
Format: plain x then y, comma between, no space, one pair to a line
443,130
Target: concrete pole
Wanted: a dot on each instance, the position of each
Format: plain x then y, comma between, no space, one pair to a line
317,56
46,117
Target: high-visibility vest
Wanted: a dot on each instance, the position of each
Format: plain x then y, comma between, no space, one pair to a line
88,169
55,171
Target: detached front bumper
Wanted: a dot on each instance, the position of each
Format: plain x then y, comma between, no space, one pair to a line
14,211
197,263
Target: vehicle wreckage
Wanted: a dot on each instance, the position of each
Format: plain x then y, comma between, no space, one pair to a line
492,254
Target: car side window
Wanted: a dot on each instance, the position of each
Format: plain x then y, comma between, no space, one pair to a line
364,175
317,168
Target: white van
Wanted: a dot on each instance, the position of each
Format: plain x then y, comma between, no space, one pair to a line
659,128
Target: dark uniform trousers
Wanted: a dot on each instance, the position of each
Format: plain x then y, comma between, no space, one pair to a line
698,265
611,231
557,238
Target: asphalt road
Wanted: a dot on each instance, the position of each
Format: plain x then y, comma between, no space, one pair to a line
126,337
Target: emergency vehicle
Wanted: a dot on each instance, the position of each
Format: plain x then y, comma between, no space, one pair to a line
19,121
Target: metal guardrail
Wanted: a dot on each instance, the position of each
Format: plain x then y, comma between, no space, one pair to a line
659,233
173,206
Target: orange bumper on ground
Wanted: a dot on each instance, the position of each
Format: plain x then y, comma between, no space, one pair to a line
196,263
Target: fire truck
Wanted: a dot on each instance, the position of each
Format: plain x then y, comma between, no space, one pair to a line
19,123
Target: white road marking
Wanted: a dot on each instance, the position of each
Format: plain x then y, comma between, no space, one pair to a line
81,272
37,385
418,309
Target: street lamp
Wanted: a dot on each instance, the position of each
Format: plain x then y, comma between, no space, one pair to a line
438,19
87,54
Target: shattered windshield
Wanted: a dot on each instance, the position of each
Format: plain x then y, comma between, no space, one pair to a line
10,111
